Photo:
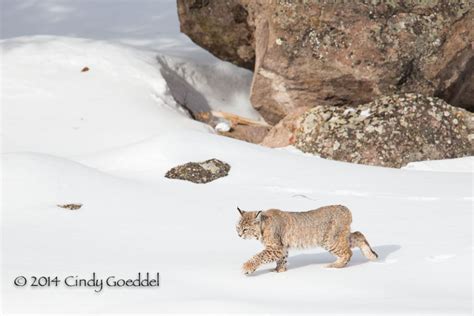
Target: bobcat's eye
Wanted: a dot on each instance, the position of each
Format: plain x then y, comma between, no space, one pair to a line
245,230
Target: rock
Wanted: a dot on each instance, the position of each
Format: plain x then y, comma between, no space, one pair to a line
390,131
310,53
200,172
248,133
282,134
220,27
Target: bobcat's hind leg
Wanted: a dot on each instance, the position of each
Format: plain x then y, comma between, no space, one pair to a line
342,250
357,239
343,258
281,263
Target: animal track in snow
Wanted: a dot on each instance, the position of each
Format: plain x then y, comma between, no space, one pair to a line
386,261
440,258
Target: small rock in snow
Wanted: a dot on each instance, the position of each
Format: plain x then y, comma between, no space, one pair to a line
200,172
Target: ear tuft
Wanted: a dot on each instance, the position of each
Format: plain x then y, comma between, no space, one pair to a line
257,216
240,211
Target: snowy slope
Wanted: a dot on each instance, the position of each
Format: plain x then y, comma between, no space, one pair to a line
106,137
419,224
45,92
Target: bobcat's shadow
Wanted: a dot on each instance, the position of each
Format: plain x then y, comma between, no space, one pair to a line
302,260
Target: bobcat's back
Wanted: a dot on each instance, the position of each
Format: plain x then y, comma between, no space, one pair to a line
319,227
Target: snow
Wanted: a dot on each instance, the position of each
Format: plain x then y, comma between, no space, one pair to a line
223,126
47,93
464,164
105,138
365,113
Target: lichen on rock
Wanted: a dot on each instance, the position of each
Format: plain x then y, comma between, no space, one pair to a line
390,131
200,172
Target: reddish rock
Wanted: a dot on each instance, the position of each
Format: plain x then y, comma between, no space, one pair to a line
220,27
316,53
283,134
248,133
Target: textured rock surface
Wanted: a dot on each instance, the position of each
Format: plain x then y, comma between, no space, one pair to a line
390,131
247,133
220,27
312,53
200,172
283,134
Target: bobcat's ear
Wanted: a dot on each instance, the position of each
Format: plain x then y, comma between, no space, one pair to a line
240,211
258,215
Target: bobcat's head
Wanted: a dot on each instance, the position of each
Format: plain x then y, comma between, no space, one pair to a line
249,225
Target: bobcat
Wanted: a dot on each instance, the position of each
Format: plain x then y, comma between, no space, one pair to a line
327,227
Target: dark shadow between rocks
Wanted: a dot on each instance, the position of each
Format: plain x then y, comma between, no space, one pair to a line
183,93
460,92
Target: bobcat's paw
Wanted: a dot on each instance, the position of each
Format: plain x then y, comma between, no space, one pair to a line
280,269
336,265
248,268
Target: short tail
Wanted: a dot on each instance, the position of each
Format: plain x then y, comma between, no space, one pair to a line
357,239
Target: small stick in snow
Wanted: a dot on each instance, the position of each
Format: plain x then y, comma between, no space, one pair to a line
85,69
71,206
237,119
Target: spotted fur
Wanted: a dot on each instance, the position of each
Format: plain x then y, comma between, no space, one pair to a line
327,227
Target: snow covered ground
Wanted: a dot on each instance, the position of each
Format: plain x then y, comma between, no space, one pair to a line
105,138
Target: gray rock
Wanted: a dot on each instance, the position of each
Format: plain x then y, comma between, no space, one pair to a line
200,172
390,131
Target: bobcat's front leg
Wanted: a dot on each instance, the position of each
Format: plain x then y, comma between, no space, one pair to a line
266,256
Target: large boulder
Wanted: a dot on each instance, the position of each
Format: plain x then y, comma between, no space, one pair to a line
390,131
310,53
221,27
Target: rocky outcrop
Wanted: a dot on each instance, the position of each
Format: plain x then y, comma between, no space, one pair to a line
200,172
283,134
390,131
316,53
221,27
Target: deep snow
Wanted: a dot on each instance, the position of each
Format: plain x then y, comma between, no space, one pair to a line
106,137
